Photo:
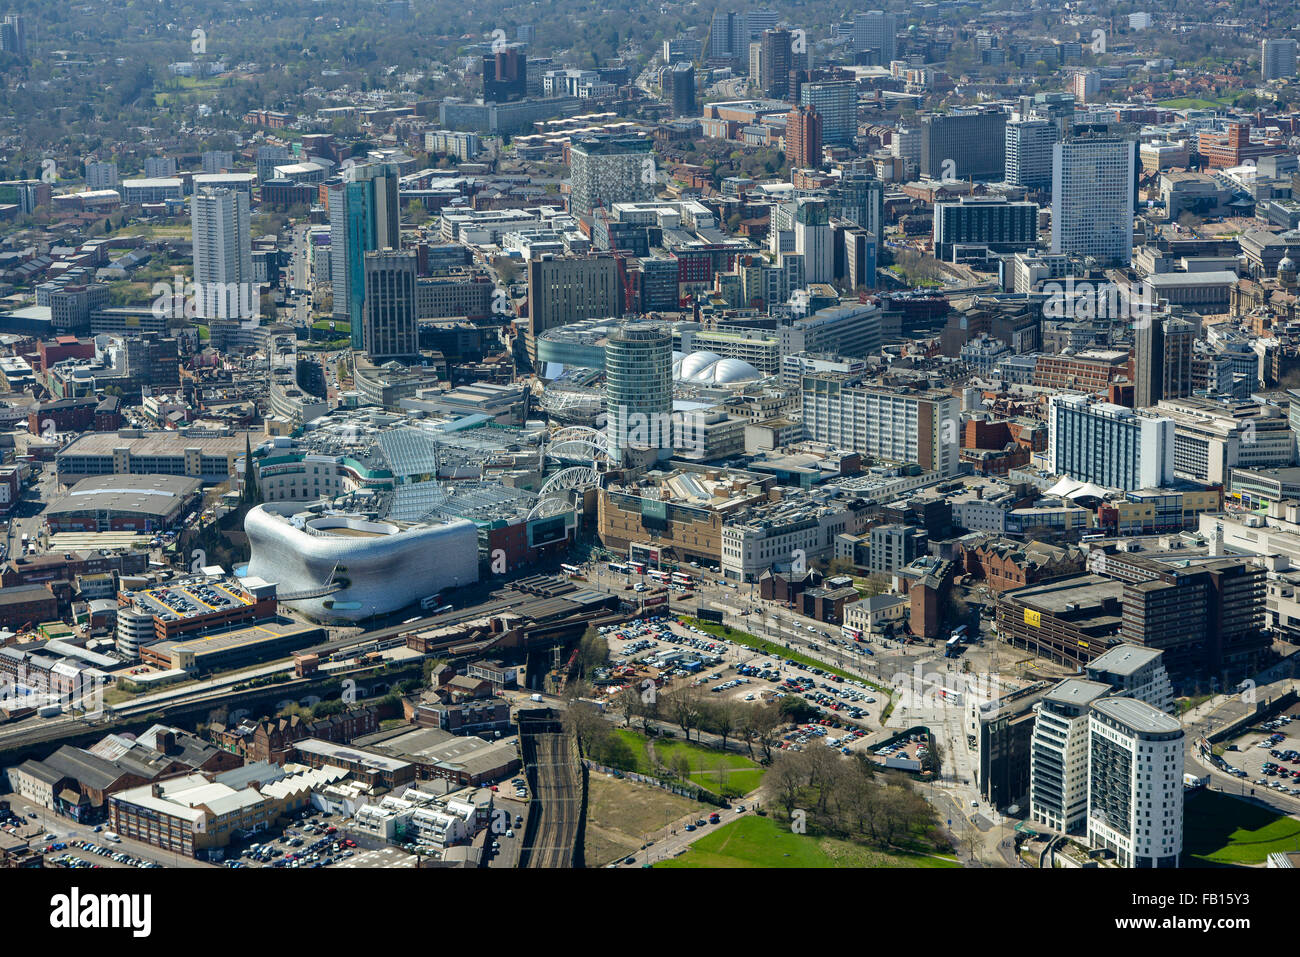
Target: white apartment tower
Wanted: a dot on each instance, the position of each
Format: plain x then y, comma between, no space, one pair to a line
1093,185
223,255
1277,58
1058,756
1135,790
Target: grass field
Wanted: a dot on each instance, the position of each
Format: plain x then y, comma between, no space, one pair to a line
621,814
762,842
1219,829
736,770
739,772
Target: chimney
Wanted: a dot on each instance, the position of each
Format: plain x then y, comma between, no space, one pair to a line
167,742
156,790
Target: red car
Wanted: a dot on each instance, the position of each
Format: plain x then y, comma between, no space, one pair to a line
331,830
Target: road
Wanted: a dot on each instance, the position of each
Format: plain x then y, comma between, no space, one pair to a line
66,829
679,839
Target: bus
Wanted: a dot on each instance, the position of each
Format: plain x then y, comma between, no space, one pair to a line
953,648
961,633
848,632
430,602
573,571
680,579
658,575
617,568
637,568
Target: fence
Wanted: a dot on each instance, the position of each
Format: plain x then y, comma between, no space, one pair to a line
693,791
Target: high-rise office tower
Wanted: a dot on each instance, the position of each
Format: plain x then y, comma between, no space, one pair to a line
607,169
858,197
757,21
389,326
1135,783
363,214
639,393
564,289
990,221
679,88
812,239
1029,153
223,255
898,425
1277,58
836,102
1163,360
13,35
526,33
505,75
774,64
725,32
964,145
1093,186
803,138
874,32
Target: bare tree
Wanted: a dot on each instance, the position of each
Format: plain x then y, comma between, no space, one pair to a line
684,708
585,722
786,779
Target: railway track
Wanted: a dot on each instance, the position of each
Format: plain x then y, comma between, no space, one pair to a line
555,778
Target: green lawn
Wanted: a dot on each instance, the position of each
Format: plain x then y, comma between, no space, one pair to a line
740,772
763,842
777,651
1219,829
1196,103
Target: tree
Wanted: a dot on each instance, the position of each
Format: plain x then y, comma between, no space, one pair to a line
721,718
684,709
629,704
593,652
786,780
416,214
584,721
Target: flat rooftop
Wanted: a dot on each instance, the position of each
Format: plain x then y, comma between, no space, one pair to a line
156,443
147,494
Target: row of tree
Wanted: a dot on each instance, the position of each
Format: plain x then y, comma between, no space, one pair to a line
827,793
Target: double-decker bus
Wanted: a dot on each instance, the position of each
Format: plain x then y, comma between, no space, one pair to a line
853,633
617,568
637,568
681,579
573,571
658,575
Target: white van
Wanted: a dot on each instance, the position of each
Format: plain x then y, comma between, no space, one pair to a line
110,836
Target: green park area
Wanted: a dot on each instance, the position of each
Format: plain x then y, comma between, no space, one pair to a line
1222,830
766,842
717,771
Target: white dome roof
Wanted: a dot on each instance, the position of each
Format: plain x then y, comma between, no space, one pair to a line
707,368
694,364
734,370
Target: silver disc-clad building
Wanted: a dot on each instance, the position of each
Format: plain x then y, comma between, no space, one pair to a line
331,565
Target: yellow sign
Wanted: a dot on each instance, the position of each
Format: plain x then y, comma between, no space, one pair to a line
1083,644
1033,618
